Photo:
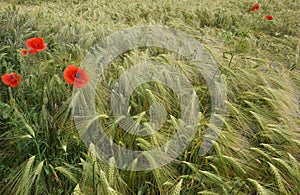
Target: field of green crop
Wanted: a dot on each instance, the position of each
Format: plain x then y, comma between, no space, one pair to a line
257,151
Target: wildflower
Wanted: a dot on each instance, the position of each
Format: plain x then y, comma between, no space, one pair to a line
24,52
256,6
36,45
76,76
12,79
269,17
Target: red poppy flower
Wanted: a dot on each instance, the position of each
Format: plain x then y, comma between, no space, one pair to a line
256,6
36,45
24,52
12,79
269,17
76,76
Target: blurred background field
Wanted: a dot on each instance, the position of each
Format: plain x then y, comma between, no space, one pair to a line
257,151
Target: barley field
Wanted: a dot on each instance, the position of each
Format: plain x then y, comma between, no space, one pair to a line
256,48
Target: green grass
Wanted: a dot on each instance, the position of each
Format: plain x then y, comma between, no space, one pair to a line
257,151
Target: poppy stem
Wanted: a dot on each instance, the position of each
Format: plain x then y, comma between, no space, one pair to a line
12,99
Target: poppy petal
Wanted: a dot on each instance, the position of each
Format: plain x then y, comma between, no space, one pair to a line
24,52
76,76
12,79
82,80
69,74
36,43
269,17
34,51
